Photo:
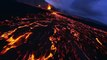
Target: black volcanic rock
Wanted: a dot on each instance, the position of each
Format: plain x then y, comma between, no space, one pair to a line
35,33
11,7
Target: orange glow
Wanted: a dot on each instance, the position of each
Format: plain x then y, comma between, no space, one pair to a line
54,13
56,29
53,47
51,38
98,41
6,34
49,7
5,49
29,33
31,57
27,36
49,56
45,58
13,43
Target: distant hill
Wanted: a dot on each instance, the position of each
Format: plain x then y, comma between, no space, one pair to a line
11,7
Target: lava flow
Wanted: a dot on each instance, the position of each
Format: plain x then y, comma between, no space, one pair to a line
50,36
49,7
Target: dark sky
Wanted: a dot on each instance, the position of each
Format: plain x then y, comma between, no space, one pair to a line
34,2
94,9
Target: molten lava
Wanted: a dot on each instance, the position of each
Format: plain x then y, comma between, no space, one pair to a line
49,7
51,36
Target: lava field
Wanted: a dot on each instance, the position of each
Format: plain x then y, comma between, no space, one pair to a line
50,36
31,33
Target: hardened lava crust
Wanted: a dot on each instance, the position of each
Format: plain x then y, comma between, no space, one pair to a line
50,36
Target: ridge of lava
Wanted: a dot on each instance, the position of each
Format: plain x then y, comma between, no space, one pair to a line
50,36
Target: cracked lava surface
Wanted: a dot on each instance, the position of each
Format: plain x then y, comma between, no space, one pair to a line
50,36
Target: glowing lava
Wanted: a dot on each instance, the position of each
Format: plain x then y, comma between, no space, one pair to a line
49,7
51,36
